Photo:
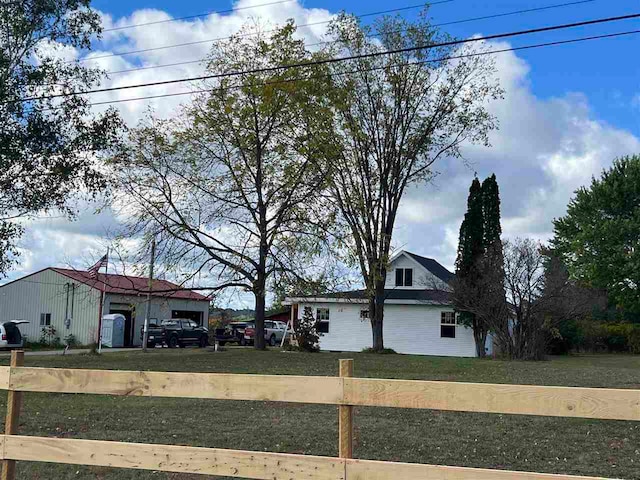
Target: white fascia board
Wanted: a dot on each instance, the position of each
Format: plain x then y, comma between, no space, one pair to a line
361,301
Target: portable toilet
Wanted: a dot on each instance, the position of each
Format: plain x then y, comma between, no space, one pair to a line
113,330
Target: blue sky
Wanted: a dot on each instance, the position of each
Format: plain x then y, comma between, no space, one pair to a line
605,70
568,112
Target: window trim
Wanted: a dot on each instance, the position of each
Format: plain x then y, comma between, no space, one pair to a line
43,319
323,320
408,279
401,274
447,325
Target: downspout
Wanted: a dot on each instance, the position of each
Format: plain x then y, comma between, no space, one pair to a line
66,302
73,297
100,318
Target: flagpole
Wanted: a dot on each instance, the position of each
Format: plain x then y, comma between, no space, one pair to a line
102,301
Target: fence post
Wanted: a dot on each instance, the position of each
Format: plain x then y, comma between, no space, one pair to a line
14,401
345,416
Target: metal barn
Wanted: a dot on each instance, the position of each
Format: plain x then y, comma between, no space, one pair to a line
72,302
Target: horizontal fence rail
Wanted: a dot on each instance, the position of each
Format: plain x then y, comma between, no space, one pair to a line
220,386
344,391
239,463
597,403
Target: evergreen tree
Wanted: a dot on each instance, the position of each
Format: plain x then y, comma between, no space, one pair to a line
491,211
492,265
471,242
480,262
470,253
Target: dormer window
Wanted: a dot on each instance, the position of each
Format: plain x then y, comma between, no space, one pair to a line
404,277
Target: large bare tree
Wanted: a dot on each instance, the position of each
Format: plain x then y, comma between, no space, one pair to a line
231,190
396,116
523,303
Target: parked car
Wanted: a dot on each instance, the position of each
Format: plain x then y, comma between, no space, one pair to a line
273,332
232,333
10,336
177,332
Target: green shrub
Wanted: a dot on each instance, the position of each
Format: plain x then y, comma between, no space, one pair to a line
71,341
595,336
384,351
306,333
616,336
49,337
634,340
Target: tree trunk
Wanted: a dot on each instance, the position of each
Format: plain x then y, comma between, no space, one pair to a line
378,317
479,336
258,341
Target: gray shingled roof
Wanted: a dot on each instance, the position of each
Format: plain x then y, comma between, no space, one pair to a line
433,266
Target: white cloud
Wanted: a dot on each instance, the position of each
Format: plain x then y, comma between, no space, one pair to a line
543,151
198,33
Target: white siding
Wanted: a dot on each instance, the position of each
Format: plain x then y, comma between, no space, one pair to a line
422,278
46,292
160,309
409,329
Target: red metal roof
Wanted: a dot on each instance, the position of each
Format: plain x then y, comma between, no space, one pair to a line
127,285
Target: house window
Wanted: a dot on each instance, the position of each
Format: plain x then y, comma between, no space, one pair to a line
364,314
404,277
448,325
322,320
45,319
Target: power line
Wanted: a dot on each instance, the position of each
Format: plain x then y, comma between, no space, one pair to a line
211,40
339,59
198,15
466,20
422,62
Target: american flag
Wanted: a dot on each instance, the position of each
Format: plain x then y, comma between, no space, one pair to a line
93,271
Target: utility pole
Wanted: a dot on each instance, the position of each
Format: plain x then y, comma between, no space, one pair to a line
145,334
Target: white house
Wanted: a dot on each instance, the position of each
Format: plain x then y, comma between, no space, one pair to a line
72,301
418,315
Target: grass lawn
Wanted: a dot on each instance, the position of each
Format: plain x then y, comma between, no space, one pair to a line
554,445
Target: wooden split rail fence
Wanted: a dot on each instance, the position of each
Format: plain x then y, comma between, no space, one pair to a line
344,391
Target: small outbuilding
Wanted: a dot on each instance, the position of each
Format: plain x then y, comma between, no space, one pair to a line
73,302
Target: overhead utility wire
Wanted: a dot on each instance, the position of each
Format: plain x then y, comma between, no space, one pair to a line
211,40
466,20
422,62
336,60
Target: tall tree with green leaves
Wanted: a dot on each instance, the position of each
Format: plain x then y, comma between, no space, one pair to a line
470,252
599,237
48,146
232,188
400,108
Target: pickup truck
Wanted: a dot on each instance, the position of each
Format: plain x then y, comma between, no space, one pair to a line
176,332
273,332
232,333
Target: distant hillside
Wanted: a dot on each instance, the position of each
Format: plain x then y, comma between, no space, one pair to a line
231,313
